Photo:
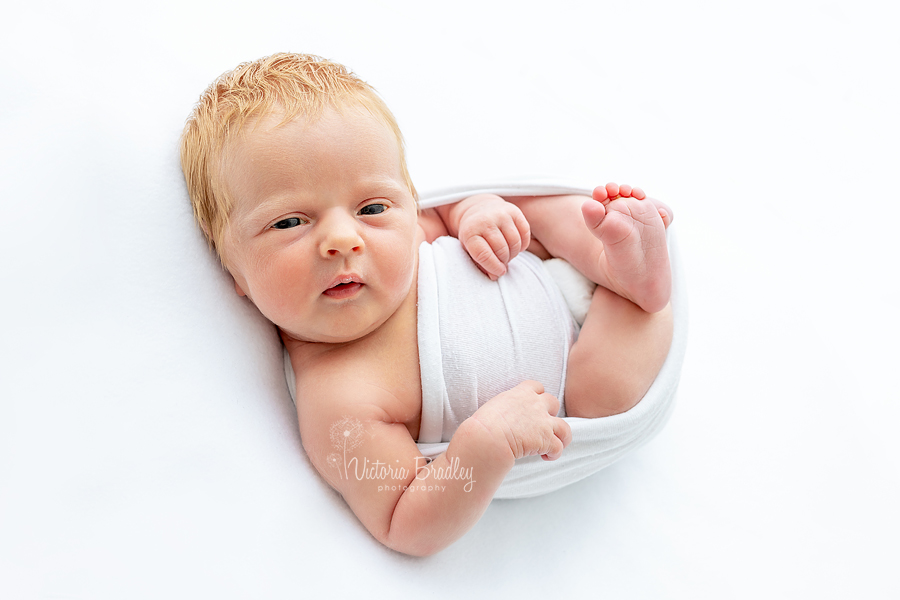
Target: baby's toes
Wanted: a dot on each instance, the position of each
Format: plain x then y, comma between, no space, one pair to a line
665,213
600,194
612,190
593,213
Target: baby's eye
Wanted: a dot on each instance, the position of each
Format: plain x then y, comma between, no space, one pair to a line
287,223
373,209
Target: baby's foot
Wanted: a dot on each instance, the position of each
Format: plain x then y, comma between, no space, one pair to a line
632,228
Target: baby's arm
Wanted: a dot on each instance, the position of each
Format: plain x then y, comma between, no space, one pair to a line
362,453
492,230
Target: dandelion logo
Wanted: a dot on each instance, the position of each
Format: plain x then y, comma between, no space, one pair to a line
335,461
345,434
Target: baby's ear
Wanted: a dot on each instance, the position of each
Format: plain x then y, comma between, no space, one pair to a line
237,288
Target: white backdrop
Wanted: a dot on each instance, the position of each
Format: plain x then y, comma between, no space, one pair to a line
147,442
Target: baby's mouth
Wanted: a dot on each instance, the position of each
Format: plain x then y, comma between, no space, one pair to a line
344,287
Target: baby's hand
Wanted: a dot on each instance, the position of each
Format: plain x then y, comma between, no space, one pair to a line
493,231
525,418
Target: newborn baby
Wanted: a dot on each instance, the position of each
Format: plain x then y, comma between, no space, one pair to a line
297,176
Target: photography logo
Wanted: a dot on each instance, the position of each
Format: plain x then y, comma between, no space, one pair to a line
348,434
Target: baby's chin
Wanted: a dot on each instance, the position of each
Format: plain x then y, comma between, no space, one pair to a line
333,336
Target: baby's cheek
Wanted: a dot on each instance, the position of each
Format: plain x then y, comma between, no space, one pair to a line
285,287
402,274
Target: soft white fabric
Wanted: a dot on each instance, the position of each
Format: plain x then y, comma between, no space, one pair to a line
491,335
596,443
577,289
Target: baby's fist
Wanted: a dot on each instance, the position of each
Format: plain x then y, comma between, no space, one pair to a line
493,231
525,418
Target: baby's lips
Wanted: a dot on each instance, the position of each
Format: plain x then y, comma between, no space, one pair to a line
348,290
345,278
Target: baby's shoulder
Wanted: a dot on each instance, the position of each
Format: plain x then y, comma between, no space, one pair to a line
353,380
336,368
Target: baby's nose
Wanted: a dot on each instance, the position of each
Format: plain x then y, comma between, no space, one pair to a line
341,237
340,248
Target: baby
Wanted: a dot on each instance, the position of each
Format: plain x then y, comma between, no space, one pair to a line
297,176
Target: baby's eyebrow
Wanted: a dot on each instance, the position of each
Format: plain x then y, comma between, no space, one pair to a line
271,205
248,222
375,187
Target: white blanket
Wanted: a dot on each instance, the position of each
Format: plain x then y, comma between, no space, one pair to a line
478,338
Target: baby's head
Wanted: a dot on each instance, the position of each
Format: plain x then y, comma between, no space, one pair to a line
290,85
296,173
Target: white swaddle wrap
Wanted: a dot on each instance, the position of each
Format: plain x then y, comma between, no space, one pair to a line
478,338
596,443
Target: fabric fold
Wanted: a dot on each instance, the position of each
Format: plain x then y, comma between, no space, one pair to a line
434,390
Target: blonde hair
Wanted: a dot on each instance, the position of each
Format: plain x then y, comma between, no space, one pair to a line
301,85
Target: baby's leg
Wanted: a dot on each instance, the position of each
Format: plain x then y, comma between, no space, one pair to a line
617,239
616,357
620,245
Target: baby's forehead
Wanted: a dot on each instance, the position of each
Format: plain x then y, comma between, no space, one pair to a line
277,116
350,145
258,133
262,134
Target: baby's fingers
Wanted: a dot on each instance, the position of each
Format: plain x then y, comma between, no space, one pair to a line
510,236
562,437
563,432
485,256
517,232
